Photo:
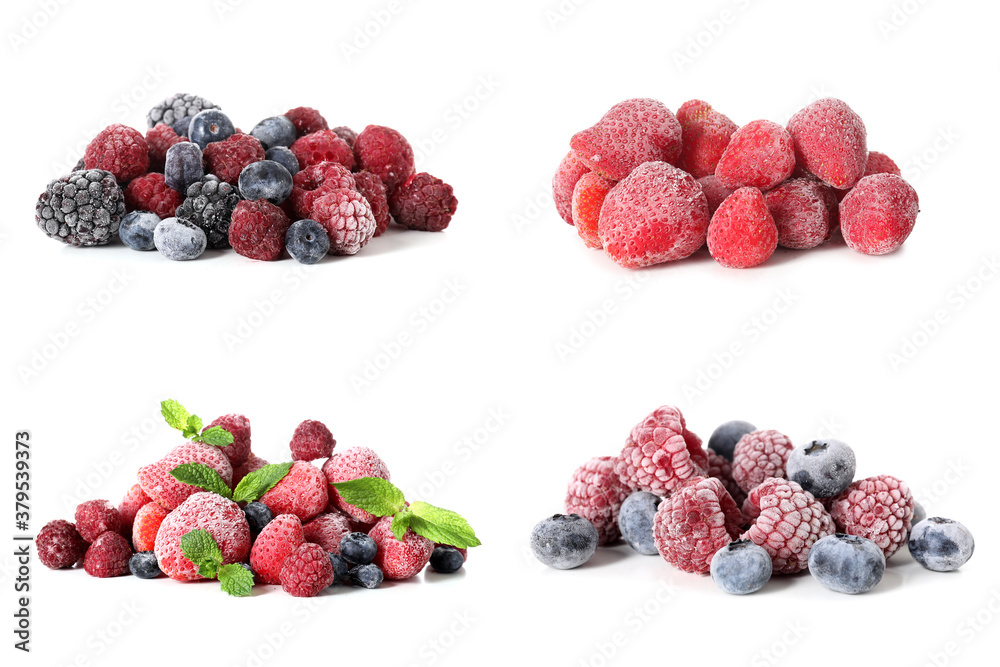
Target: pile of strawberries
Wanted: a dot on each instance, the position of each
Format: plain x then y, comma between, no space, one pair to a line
650,187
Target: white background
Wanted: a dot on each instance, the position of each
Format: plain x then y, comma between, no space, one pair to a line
524,79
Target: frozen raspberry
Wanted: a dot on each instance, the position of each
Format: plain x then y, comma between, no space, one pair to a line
239,427
657,214
347,134
306,571
372,189
721,469
759,455
302,492
327,530
880,163
788,522
595,492
878,214
386,153
706,134
146,524
830,142
630,133
760,154
151,193
742,233
315,181
107,556
203,511
661,453
694,522
120,150
322,146
94,517
715,192
253,463
156,480
258,230
227,159
158,140
399,559
424,203
347,218
801,213
306,120
134,499
312,440
588,198
879,508
353,463
276,542
59,545
568,173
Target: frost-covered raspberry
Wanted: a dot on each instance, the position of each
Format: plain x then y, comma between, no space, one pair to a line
146,524
386,153
159,139
373,190
423,202
347,134
150,193
759,455
721,469
312,440
314,181
306,120
94,517
399,559
788,522
879,508
302,492
347,218
660,453
697,520
275,543
258,230
107,556
119,149
322,146
595,492
306,571
327,530
203,511
59,544
239,449
227,159
353,463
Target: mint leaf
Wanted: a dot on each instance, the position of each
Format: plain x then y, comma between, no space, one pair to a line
174,413
201,549
235,580
259,482
193,426
372,494
442,526
215,436
202,476
401,522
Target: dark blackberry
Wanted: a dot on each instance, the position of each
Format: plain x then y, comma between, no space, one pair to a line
177,107
84,208
209,204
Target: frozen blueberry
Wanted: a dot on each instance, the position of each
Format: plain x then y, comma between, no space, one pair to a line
182,126
564,541
366,576
725,437
846,563
210,125
180,240
919,513
307,241
635,520
183,166
136,230
445,559
258,515
358,548
283,156
274,131
143,565
940,544
824,468
265,179
341,568
740,568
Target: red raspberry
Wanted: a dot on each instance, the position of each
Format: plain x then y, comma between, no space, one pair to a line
159,139
239,427
386,153
715,192
302,492
59,545
588,198
274,544
107,556
759,455
120,150
134,499
306,120
151,193
347,218
657,214
94,517
203,511
878,214
596,494
694,522
630,133
353,463
661,453
706,134
258,230
801,213
146,524
313,182
759,155
424,203
306,571
789,521
720,468
156,480
312,440
568,173
372,189
879,508
742,233
226,159
347,134
399,559
253,463
327,530
830,142
322,146
880,163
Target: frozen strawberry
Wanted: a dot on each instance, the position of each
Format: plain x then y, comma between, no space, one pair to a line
239,427
327,530
399,559
706,133
715,192
59,545
830,142
630,133
276,542
306,571
386,153
694,522
322,146
302,492
94,517
801,213
878,214
107,556
759,155
660,454
742,233
567,174
353,463
315,181
221,517
146,524
312,440
134,499
588,197
880,163
156,480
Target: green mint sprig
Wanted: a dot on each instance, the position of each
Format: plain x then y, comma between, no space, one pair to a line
190,426
250,488
201,549
202,476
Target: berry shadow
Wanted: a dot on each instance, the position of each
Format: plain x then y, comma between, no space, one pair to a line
394,239
608,555
779,583
431,576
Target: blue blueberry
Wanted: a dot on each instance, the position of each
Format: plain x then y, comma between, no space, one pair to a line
564,541
445,559
274,131
847,563
179,240
265,179
740,568
635,520
246,566
366,576
942,545
285,157
210,125
341,568
183,166
258,515
307,241
136,230
919,513
182,126
358,549
824,468
143,565
724,438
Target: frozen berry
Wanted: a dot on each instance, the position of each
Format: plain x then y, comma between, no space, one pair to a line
274,544
635,520
341,568
265,179
119,149
568,173
759,455
163,488
179,239
317,180
306,571
227,159
846,563
307,241
759,155
695,521
880,163
258,516
742,233
879,508
306,120
159,139
151,193
824,468
59,545
347,134
588,198
595,492
741,567
221,517
274,131
721,469
399,559
366,576
312,440
423,202
130,505
283,156
238,426
94,517
705,134
183,166
446,560
724,438
715,192
177,107
347,218
107,556
328,530
830,142
788,522
353,463
564,541
322,146
630,133
661,453
143,565
800,212
358,548
210,126
146,524
302,492
258,230
919,513
941,545
84,208
210,204
878,214
252,464
373,190
386,153
136,230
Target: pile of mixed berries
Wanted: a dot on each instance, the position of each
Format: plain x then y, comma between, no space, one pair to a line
195,181
212,509
749,505
649,186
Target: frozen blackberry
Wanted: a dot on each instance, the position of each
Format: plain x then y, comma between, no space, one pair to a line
209,205
176,107
84,208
